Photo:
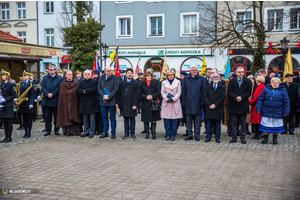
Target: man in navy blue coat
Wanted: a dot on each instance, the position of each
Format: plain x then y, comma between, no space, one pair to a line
50,87
193,90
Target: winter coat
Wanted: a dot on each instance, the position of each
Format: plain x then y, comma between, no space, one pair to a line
87,90
171,110
256,117
51,85
193,90
153,89
275,107
292,91
128,96
226,114
216,97
244,92
112,86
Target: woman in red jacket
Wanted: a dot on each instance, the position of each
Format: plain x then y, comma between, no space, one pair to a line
255,118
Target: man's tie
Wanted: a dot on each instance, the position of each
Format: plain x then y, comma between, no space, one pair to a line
240,82
215,87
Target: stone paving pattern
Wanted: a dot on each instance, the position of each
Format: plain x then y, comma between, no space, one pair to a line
62,167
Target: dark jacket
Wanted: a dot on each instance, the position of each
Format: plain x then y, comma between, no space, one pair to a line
87,90
192,92
128,96
31,95
275,107
267,80
244,92
112,86
216,97
121,80
36,91
51,85
292,90
9,94
297,79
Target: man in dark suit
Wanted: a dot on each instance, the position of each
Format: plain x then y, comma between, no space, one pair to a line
292,90
239,91
262,72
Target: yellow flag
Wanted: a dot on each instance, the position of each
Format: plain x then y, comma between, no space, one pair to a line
164,69
112,56
203,68
288,66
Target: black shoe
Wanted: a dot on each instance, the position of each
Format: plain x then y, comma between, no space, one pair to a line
275,139
43,121
254,137
248,132
207,140
153,136
84,135
44,130
7,140
113,136
20,128
125,136
1,127
284,132
265,140
133,137
186,134
172,138
25,136
4,140
243,141
103,136
91,136
217,140
259,137
292,133
197,139
48,133
168,138
189,138
143,132
232,140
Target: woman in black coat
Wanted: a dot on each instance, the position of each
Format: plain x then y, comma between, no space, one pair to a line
7,103
149,91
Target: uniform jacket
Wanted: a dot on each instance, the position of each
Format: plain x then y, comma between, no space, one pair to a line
128,96
112,86
51,85
9,94
275,107
30,95
87,90
244,92
171,110
216,97
193,90
255,117
292,91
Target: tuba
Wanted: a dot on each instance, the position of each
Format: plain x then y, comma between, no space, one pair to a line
23,97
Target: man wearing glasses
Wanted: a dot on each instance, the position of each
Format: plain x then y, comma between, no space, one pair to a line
50,87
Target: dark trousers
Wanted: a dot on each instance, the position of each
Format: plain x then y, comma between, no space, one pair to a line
171,127
43,110
291,121
20,119
27,122
8,127
129,121
49,111
112,112
197,124
297,120
89,123
34,111
213,124
236,120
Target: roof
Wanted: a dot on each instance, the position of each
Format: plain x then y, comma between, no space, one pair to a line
7,36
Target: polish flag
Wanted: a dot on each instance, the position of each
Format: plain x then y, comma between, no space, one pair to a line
270,46
298,45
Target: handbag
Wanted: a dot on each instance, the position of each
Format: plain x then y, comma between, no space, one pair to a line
155,106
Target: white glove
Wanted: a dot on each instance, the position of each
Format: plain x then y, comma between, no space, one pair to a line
1,106
2,99
38,97
35,100
15,99
30,106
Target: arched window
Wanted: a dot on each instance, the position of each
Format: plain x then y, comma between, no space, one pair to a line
124,63
156,64
240,61
277,65
186,64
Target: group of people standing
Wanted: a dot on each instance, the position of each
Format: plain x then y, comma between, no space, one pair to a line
92,100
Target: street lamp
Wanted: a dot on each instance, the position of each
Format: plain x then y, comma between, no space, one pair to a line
284,45
105,48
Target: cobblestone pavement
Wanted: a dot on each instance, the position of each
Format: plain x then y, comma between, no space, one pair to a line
62,167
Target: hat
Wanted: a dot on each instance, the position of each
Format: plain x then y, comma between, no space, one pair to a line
288,75
78,72
21,77
140,73
230,74
222,74
183,73
60,71
27,73
96,71
122,71
45,72
5,71
256,74
250,76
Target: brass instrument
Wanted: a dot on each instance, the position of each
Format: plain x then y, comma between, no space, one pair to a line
23,97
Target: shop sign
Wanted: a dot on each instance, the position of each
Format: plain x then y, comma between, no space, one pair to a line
192,61
25,50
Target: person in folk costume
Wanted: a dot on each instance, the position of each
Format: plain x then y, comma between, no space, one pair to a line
8,94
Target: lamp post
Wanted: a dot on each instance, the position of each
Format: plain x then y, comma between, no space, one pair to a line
284,45
105,48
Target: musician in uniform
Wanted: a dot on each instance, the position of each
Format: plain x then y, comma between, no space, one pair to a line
61,73
7,96
35,95
20,119
79,76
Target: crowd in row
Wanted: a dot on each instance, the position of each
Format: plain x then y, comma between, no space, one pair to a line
92,100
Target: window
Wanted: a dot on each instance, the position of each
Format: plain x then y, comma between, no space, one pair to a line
67,7
189,23
240,61
50,37
277,65
295,19
49,7
275,19
155,25
244,21
124,26
22,35
21,10
5,10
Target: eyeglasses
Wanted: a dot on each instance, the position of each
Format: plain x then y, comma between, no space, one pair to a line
51,69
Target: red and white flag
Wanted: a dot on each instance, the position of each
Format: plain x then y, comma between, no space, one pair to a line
138,65
270,46
298,45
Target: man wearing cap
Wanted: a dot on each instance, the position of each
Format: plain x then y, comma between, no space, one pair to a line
122,75
51,86
292,89
79,76
35,95
20,118
61,73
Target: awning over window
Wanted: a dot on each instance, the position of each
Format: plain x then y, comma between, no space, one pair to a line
28,50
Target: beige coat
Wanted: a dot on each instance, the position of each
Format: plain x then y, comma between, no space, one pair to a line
171,110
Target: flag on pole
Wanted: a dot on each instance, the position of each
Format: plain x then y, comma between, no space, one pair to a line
298,45
116,64
138,65
113,54
270,46
227,69
96,66
165,67
288,66
203,68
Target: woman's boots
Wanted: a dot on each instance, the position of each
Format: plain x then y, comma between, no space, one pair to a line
266,137
275,139
153,127
146,126
265,140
